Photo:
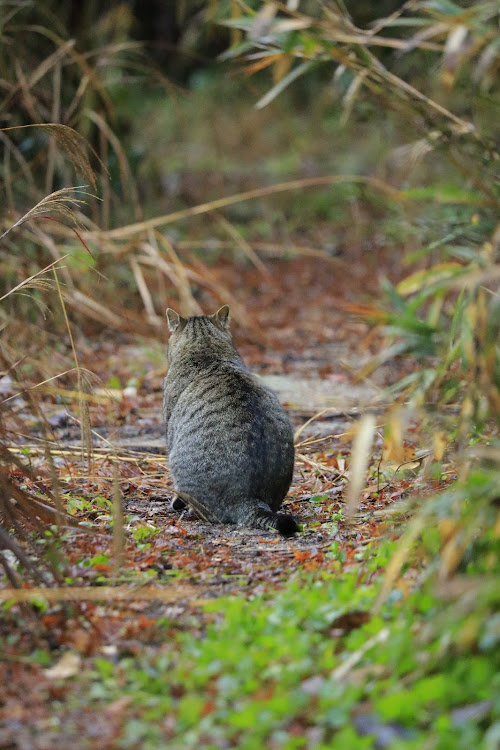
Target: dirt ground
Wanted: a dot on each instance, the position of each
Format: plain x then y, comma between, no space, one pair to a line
305,346
297,335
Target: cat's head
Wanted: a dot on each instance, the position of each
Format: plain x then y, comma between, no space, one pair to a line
197,330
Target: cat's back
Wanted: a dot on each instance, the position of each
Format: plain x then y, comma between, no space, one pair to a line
227,403
229,440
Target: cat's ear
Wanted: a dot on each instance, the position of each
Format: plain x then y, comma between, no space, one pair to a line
222,316
174,320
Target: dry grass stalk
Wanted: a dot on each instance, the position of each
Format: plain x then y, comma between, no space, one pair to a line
123,165
188,303
30,281
302,458
101,594
56,497
398,559
73,144
272,248
23,86
360,457
11,148
147,300
118,524
202,277
59,201
55,117
340,673
19,509
82,387
323,439
318,414
86,431
130,230
88,306
101,453
242,244
8,542
174,270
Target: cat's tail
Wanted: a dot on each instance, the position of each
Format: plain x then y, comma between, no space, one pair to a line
264,518
258,516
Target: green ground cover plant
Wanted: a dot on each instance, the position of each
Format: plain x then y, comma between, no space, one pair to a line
309,666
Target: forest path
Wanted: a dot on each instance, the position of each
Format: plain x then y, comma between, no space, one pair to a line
299,339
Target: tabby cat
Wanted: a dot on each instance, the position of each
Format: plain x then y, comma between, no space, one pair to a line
230,443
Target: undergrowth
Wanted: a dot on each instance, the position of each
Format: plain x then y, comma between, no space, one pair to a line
310,666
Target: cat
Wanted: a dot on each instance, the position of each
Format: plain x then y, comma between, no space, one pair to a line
229,440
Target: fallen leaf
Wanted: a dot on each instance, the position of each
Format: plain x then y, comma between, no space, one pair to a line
301,555
351,620
68,665
117,708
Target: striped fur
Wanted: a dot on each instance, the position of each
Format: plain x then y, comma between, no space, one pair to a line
230,442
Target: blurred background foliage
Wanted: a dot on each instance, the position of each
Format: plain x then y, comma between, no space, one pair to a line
150,108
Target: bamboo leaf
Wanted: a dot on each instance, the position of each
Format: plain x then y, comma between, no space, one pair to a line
439,273
281,85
